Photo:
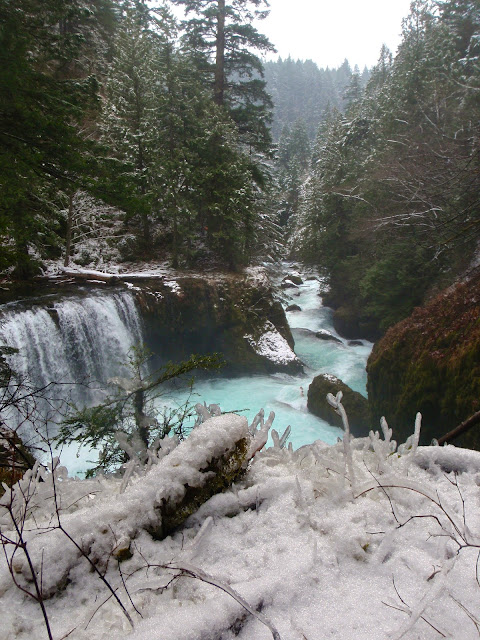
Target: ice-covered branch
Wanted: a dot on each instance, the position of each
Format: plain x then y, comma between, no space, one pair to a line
194,572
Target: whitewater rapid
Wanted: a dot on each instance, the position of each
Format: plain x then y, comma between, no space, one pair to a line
88,337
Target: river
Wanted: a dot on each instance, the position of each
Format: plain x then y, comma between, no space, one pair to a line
88,337
284,394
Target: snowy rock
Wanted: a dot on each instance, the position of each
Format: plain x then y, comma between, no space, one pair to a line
208,314
288,284
293,277
274,348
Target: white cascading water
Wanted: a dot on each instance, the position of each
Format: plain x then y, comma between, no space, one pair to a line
284,394
83,340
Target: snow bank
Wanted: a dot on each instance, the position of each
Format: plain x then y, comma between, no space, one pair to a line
102,524
290,538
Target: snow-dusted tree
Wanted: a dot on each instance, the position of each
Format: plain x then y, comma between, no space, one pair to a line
132,417
47,90
128,126
173,152
222,38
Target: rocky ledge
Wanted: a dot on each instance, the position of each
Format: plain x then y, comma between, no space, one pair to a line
232,314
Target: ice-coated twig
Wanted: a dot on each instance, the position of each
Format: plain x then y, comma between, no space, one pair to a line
214,410
206,526
382,448
203,413
411,444
387,432
336,403
260,436
193,572
279,442
258,420
286,435
439,585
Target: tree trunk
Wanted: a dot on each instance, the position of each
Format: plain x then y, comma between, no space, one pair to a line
462,428
139,408
219,87
68,239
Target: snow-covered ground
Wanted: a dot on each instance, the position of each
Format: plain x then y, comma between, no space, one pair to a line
388,549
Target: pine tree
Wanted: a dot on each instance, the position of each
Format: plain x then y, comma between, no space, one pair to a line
221,38
45,95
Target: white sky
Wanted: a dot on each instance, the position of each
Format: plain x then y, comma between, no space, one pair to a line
328,31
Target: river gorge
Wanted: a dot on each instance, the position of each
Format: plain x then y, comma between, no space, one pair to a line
83,333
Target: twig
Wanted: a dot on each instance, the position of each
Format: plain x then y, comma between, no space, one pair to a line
192,572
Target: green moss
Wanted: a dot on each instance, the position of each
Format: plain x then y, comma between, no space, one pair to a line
226,470
212,315
430,363
355,404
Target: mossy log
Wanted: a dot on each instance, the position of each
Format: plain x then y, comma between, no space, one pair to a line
214,456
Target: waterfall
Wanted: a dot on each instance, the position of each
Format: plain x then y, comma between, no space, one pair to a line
78,339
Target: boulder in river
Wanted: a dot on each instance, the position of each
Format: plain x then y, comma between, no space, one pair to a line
355,404
288,284
293,307
293,277
323,334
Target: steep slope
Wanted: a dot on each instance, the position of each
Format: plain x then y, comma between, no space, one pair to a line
430,362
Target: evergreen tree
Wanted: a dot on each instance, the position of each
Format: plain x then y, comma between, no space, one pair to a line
45,96
392,208
222,37
183,179
353,93
301,90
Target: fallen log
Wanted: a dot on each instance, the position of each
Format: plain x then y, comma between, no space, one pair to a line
462,428
213,457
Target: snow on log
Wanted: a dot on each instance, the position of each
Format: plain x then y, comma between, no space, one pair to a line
207,462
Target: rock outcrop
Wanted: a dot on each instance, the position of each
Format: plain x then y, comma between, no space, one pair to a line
355,404
430,363
232,314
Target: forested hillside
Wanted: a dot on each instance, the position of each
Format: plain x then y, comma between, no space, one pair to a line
390,207
151,137
301,91
167,122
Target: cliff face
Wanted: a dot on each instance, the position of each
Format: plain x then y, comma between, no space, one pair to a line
232,314
430,363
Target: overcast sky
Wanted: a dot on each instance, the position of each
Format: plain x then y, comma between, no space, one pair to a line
328,31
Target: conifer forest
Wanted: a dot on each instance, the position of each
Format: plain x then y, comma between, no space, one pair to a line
179,199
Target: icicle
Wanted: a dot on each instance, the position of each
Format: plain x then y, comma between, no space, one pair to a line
336,403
